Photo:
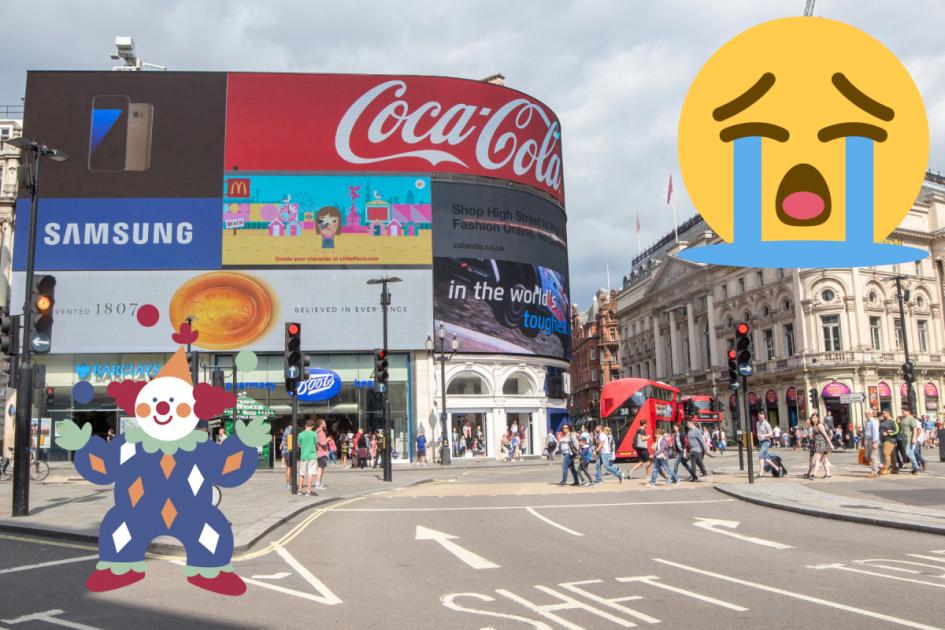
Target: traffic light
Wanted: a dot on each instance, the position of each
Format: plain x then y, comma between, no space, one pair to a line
380,370
9,333
908,371
193,360
216,378
306,362
293,355
732,369
814,398
50,395
743,344
42,300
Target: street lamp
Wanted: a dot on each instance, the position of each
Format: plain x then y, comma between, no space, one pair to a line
442,357
907,366
385,302
24,382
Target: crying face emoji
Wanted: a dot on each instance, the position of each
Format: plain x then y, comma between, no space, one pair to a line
803,142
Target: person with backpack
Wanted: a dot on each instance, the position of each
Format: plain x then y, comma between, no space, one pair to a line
584,460
568,448
604,451
680,446
765,435
641,442
551,445
661,456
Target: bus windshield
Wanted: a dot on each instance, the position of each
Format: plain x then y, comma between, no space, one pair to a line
704,405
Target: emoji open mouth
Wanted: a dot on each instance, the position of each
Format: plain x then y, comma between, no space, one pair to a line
162,422
803,197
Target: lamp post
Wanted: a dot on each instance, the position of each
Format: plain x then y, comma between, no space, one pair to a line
24,383
901,296
443,358
385,302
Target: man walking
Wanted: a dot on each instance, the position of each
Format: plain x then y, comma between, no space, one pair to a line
421,449
763,428
696,450
909,430
604,446
322,452
871,442
307,440
887,436
568,448
287,448
641,442
680,446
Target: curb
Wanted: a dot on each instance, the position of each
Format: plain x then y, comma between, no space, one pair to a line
263,527
839,516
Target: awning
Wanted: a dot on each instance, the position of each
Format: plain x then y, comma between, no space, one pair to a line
248,409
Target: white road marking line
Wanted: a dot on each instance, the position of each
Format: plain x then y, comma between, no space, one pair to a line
448,600
49,616
329,598
446,541
841,567
652,580
612,603
713,525
568,603
800,596
521,507
274,576
29,567
873,562
551,522
921,557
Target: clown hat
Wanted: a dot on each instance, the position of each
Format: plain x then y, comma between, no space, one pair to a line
177,367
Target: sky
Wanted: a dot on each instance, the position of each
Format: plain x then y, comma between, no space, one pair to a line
615,72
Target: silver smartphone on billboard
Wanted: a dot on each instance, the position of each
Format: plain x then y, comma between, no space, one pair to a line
138,145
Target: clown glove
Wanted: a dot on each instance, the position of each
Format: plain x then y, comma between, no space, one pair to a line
70,437
255,433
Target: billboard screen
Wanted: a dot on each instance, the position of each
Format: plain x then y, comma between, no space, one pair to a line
501,270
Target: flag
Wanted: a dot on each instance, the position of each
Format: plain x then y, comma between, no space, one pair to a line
638,223
669,191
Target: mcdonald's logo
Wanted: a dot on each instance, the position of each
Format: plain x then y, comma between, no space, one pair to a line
237,187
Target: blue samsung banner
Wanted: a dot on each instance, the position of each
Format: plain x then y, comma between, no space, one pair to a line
99,234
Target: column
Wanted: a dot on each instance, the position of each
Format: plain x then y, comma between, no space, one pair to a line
674,345
658,354
713,340
853,337
801,337
695,357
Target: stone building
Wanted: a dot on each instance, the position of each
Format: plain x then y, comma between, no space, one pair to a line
594,359
834,330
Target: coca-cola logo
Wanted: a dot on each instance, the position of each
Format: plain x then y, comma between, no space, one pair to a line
321,385
520,135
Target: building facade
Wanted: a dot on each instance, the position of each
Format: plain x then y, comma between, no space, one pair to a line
594,360
837,331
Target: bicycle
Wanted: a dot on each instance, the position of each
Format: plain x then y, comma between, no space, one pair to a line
39,469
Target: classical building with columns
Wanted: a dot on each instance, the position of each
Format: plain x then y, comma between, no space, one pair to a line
834,330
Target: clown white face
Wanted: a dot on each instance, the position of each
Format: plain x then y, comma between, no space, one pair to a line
165,408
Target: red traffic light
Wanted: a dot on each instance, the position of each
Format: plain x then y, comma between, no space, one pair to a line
381,355
50,391
732,354
293,329
741,329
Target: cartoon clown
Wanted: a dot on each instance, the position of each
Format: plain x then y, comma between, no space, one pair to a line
163,470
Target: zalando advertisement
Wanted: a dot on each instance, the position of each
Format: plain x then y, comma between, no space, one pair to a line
235,310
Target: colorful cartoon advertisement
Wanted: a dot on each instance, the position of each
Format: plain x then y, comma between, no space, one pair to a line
326,220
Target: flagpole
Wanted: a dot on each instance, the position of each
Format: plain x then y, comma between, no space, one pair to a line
675,223
639,247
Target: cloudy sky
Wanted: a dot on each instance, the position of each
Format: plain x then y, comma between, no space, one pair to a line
615,71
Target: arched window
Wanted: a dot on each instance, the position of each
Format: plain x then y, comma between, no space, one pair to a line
518,385
467,384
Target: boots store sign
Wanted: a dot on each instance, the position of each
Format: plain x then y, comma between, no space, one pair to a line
392,124
322,384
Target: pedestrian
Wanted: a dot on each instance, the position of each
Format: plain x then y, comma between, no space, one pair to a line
696,450
551,444
287,450
584,460
775,436
321,452
381,451
568,449
507,447
345,449
887,436
364,448
920,441
909,429
514,445
871,443
604,452
307,463
722,441
765,435
661,456
221,435
421,449
641,443
372,451
822,447
680,445
332,450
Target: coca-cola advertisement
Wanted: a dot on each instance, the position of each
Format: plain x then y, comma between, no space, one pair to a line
323,122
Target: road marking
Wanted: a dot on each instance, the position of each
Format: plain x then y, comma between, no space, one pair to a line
522,507
53,543
449,600
933,558
551,522
652,580
568,603
49,616
28,567
874,562
611,603
325,595
274,576
713,524
841,567
800,596
446,541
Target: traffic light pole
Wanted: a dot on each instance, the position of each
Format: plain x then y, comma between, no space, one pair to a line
388,469
24,384
905,343
746,429
295,443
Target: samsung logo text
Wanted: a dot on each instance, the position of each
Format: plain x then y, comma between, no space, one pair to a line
121,233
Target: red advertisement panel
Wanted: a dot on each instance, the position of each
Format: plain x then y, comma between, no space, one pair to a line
309,122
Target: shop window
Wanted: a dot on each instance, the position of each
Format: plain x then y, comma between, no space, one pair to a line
467,384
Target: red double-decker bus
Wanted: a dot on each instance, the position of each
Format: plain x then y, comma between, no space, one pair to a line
702,409
626,402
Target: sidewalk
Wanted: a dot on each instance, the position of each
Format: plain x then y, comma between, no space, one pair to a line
74,510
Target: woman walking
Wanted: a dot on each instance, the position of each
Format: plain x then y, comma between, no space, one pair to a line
569,449
661,455
821,447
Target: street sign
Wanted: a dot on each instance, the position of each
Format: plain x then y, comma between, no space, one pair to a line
745,369
40,343
292,371
855,397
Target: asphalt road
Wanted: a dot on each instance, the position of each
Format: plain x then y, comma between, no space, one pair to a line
526,554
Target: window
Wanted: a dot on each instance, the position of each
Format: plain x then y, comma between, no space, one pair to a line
6,133
920,302
760,276
725,291
789,339
593,354
518,385
788,306
898,325
831,328
828,295
741,285
875,333
467,384
781,274
918,267
922,327
765,311
688,355
769,343
593,376
872,297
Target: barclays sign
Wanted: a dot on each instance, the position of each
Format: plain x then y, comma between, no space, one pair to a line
322,384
